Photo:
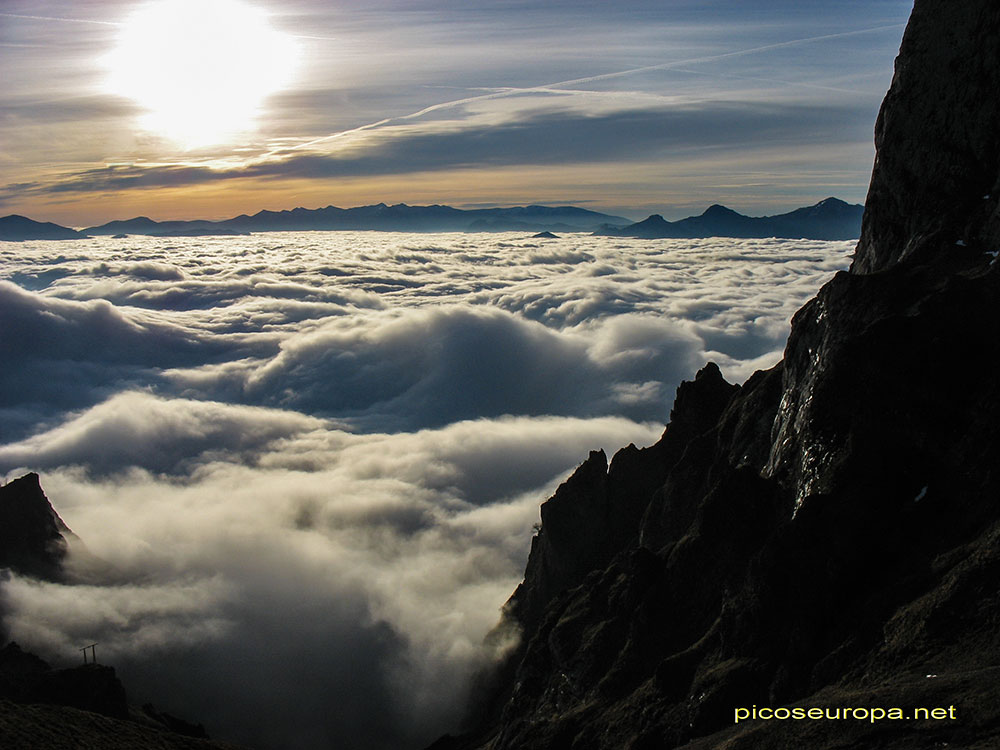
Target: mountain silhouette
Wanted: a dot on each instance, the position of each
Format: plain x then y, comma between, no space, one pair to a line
396,218
15,228
830,219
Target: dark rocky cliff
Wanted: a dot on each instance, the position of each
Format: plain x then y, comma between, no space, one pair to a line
827,533
937,174
33,538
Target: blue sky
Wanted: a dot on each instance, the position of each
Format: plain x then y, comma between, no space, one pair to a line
631,107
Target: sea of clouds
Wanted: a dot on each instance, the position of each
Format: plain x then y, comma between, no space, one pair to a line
306,466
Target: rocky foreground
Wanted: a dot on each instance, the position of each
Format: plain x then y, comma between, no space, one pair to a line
827,534
66,708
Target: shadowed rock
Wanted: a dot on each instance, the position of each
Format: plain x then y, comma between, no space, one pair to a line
33,538
25,678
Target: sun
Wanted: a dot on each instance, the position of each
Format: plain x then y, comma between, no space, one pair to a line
200,69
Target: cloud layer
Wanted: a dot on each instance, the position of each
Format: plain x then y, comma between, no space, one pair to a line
314,589
311,462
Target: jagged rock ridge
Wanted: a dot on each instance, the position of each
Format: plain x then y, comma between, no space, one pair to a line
826,534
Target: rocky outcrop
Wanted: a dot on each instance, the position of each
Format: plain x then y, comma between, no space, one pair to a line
937,173
597,512
828,533
25,678
33,538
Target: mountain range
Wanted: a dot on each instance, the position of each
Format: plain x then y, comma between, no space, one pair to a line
829,219
380,217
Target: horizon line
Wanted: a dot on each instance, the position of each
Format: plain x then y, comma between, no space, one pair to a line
422,205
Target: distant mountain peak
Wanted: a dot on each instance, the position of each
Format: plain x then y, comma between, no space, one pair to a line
717,209
830,219
16,228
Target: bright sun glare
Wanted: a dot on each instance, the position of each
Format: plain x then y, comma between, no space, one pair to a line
200,68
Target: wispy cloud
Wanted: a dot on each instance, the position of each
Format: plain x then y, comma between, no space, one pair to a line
554,132
59,19
568,86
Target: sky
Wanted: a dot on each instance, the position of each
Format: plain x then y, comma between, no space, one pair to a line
180,109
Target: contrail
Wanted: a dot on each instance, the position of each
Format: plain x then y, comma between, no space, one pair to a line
318,38
116,23
67,20
726,55
801,84
502,93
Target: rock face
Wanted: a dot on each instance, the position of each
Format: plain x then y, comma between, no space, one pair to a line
828,533
937,175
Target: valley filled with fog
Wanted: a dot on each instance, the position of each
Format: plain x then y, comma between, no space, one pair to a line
312,461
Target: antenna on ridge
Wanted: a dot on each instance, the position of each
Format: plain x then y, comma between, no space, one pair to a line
93,654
